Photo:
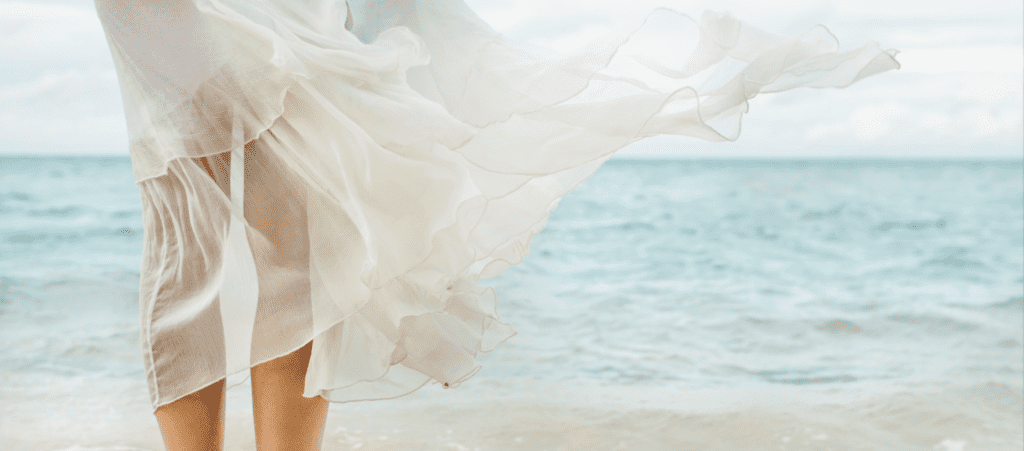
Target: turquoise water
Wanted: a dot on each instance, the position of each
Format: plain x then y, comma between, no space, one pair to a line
650,276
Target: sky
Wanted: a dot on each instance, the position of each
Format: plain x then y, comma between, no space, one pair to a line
959,93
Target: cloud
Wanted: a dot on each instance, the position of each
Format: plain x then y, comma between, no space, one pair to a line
1009,60
45,33
70,111
58,87
86,134
958,110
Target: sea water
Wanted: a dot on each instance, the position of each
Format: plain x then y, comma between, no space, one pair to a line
673,305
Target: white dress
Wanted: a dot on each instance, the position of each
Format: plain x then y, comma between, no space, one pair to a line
365,177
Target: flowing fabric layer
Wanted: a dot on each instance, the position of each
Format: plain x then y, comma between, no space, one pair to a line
389,166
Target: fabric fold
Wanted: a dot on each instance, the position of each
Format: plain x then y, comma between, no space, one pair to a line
395,153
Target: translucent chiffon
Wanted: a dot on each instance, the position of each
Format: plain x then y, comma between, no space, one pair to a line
345,173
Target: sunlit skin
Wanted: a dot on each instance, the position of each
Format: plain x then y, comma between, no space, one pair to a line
194,422
284,419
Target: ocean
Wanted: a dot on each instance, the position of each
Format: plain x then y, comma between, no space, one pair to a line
675,305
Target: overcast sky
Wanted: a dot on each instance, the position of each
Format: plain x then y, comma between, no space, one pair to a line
958,94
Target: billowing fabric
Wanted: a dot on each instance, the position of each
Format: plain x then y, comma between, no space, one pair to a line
344,175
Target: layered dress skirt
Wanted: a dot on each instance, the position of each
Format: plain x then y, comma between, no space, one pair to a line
344,173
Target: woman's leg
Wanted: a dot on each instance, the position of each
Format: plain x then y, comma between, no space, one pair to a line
285,420
194,422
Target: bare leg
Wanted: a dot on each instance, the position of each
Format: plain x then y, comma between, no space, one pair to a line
285,420
194,422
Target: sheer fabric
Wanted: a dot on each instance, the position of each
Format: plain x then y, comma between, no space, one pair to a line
346,173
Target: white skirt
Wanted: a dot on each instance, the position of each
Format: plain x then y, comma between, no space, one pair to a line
345,175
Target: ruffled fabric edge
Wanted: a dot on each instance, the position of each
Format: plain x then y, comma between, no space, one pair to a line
534,183
456,309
